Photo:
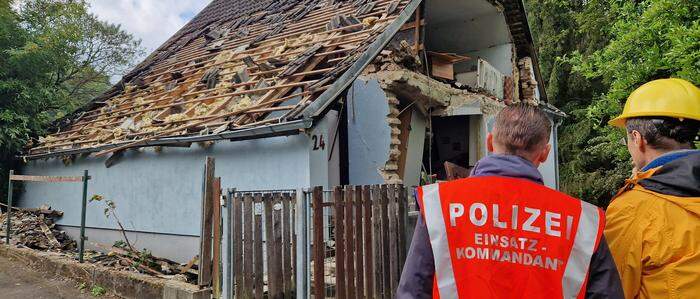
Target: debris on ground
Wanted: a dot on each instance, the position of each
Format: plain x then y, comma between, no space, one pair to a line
122,258
36,229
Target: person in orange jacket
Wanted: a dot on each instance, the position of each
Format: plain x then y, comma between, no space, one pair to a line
653,223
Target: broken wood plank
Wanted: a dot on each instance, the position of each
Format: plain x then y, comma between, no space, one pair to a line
49,235
41,178
216,250
205,253
189,265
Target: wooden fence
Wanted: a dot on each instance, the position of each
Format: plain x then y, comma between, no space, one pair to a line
363,253
263,249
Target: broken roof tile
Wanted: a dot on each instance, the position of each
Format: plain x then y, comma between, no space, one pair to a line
233,54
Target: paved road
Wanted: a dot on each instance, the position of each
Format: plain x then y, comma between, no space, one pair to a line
17,281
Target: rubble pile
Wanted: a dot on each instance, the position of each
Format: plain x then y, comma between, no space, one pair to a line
120,257
35,228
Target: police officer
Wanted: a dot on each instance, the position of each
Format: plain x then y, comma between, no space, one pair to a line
654,222
502,234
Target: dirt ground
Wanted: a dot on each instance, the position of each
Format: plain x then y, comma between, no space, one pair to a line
17,281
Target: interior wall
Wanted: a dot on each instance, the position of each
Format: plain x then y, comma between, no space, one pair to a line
498,56
474,28
416,143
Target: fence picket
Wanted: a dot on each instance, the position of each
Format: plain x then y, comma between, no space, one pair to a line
248,246
366,237
367,224
318,244
258,248
403,215
393,240
272,287
275,273
386,265
286,247
340,271
377,244
357,206
237,236
293,241
349,243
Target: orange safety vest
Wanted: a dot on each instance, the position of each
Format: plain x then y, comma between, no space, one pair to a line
497,237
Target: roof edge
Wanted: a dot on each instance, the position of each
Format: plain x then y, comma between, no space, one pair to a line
282,129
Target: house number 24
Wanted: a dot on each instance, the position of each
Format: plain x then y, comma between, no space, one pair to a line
319,144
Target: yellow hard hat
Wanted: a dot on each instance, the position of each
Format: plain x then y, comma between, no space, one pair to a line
664,97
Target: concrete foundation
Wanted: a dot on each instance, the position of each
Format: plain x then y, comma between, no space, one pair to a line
122,284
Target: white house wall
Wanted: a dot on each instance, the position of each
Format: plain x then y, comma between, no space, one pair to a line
498,56
158,195
369,135
549,167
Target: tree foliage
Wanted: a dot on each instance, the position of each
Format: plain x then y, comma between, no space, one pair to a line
594,53
55,57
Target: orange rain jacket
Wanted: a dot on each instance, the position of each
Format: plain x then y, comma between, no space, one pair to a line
653,230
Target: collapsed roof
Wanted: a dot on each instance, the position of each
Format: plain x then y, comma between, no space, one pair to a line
236,65
241,66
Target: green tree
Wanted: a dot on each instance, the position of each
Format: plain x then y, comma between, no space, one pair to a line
55,57
594,53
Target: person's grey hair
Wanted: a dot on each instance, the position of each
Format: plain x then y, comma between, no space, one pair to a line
521,129
665,133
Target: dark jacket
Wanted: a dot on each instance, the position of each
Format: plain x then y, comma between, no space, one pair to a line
417,277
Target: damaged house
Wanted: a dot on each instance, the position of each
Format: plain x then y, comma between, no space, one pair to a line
290,94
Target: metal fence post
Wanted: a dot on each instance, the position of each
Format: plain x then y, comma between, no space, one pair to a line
9,206
302,261
82,217
229,243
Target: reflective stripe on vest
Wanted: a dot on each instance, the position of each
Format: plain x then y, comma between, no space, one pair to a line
495,237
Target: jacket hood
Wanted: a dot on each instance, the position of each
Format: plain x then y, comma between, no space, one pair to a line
677,181
507,166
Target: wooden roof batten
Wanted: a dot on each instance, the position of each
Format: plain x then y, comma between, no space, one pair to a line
175,98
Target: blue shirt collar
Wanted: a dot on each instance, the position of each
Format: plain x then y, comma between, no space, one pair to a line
668,157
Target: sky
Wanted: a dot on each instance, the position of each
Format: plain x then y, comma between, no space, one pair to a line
152,21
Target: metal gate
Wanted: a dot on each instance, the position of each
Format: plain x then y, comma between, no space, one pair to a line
353,238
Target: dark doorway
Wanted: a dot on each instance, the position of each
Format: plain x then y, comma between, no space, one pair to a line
450,143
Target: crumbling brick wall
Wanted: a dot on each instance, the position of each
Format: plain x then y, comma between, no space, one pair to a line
390,171
528,84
